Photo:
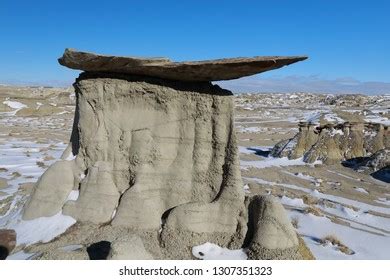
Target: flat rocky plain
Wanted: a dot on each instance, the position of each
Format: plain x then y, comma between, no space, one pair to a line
339,212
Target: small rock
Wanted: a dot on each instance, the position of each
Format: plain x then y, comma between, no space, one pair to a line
7,242
15,175
3,183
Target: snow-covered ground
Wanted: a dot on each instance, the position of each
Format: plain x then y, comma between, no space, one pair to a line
363,227
22,162
271,161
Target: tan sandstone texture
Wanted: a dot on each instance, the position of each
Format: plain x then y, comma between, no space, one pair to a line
129,248
273,235
332,143
158,157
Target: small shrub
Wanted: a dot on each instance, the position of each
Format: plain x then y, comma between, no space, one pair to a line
295,222
40,164
336,242
313,210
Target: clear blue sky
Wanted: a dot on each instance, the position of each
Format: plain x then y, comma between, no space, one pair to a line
343,38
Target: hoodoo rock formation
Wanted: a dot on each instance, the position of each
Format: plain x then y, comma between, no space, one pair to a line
153,152
333,143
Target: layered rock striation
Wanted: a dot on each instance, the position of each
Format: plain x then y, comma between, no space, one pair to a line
159,156
333,143
192,71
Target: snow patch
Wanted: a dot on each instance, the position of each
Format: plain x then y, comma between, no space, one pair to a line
334,132
271,161
293,202
14,104
70,248
210,251
21,255
333,118
70,157
251,129
362,190
42,229
73,195
378,119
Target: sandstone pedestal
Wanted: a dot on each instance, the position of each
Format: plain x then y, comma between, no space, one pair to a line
333,143
155,151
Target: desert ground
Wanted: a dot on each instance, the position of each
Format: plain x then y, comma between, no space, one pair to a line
340,212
